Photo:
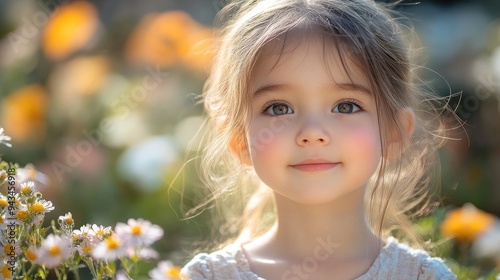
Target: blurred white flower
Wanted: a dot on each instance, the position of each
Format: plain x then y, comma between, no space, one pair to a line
122,275
487,245
110,249
32,253
29,173
4,138
139,232
165,271
54,250
145,164
143,253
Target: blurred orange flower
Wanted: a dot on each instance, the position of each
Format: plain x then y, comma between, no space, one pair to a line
465,224
69,29
170,38
23,113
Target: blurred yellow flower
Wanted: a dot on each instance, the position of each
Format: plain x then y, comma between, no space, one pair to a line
170,38
69,29
465,224
23,113
79,76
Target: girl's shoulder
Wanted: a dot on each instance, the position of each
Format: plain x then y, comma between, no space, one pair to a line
395,261
227,263
398,261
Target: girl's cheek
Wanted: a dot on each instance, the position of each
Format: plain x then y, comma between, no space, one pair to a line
367,141
267,137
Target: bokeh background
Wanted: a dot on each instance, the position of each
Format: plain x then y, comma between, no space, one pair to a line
102,98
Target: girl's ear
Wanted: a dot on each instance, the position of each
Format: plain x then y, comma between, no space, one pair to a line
398,140
240,149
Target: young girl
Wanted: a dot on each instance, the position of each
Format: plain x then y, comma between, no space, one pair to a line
315,118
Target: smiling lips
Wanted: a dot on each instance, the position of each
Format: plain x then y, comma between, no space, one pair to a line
314,165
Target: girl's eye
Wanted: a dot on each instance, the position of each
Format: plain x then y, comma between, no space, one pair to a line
346,108
278,109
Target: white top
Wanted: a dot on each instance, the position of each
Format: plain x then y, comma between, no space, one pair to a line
395,261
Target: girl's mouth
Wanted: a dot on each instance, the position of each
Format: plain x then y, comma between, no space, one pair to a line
313,165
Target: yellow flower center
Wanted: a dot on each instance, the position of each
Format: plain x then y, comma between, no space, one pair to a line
31,255
6,272
3,176
112,243
25,190
37,208
136,230
1,220
69,220
22,215
54,250
174,272
3,203
8,249
87,249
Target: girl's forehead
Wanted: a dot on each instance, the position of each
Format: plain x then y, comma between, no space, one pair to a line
330,55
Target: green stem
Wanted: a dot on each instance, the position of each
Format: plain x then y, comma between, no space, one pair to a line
75,272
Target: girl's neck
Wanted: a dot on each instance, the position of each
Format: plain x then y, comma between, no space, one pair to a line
300,229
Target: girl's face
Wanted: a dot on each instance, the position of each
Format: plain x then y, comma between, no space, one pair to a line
313,133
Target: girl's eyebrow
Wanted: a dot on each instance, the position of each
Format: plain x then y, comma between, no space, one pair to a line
354,87
269,88
261,91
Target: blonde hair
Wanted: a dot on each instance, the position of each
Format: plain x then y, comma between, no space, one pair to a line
372,38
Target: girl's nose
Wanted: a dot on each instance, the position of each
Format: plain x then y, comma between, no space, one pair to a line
312,134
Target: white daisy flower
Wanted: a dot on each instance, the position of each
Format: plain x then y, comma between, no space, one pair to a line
67,219
54,250
27,188
110,249
138,232
83,231
8,248
4,138
86,246
41,206
165,271
78,235
23,216
66,223
101,231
